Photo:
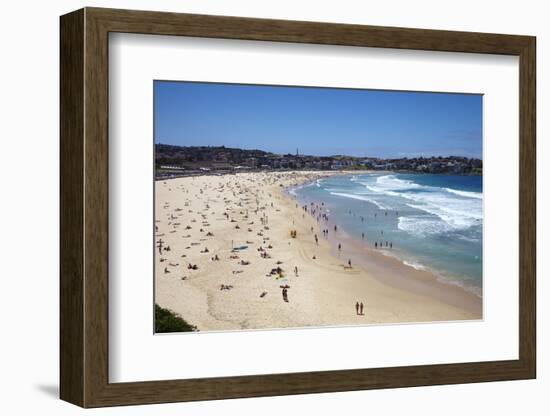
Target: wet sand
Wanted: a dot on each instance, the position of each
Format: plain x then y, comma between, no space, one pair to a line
385,265
239,291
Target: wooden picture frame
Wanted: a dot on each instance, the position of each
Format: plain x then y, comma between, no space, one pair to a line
84,207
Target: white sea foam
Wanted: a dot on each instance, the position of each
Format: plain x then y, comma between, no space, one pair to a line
414,265
468,239
459,214
388,183
465,194
360,198
465,284
292,190
445,209
378,191
458,209
423,226
442,202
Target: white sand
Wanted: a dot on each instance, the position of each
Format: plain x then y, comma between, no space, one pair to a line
323,294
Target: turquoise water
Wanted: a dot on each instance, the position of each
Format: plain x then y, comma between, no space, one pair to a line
431,221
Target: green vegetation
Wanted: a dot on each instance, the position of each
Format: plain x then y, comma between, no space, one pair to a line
168,321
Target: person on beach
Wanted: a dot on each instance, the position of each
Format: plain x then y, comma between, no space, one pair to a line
356,308
316,240
361,308
375,244
335,228
349,263
296,270
391,244
339,247
362,236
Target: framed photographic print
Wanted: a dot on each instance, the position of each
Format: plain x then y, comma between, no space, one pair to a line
255,207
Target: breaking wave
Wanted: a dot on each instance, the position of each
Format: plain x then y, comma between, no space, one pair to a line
466,194
456,209
360,198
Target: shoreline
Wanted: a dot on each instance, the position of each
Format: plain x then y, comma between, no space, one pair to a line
186,174
396,273
448,279
222,213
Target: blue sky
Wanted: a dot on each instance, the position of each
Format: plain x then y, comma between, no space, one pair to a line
318,121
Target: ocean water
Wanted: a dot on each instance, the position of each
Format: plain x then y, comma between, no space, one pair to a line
432,221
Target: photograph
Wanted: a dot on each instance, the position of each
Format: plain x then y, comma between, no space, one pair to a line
285,207
356,194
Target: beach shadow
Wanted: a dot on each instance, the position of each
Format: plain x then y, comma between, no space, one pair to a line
51,390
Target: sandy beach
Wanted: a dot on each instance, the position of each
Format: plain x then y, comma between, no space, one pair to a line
236,229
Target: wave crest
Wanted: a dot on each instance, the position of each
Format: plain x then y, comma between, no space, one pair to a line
360,198
465,194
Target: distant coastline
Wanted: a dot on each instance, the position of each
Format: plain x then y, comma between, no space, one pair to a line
180,161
